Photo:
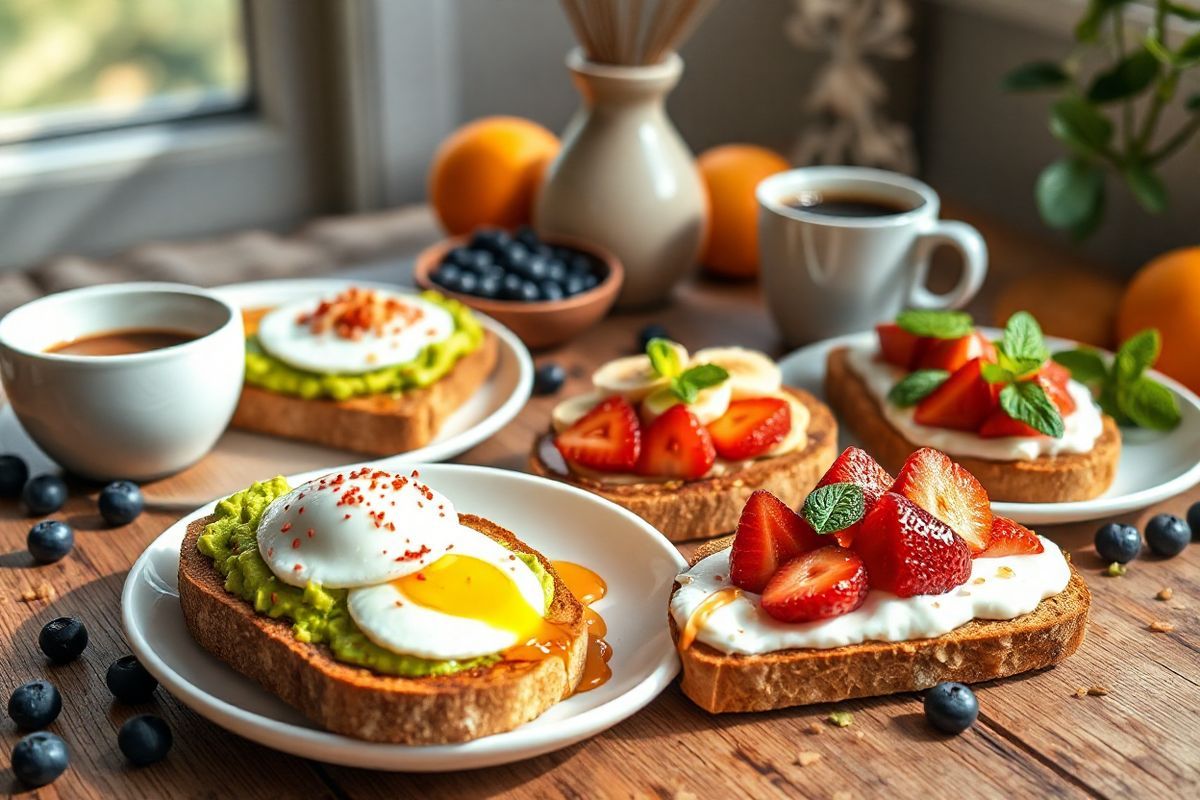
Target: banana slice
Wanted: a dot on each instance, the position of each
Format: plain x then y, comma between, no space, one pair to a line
710,403
797,437
751,373
573,409
632,377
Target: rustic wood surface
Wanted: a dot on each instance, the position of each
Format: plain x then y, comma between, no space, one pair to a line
1035,737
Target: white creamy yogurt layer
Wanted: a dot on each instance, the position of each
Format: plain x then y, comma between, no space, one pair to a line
998,589
1082,427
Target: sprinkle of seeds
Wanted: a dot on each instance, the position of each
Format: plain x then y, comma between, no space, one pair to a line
1165,593
1114,570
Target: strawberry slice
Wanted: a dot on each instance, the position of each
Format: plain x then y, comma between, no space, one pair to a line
962,403
949,492
908,551
1054,378
1010,538
676,445
857,467
951,354
825,583
898,346
607,438
750,428
768,534
999,425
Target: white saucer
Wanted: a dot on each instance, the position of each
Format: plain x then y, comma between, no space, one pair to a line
1154,466
562,522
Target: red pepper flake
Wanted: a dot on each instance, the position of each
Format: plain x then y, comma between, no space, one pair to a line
287,526
300,510
420,576
311,533
297,568
346,517
412,555
274,598
270,552
296,543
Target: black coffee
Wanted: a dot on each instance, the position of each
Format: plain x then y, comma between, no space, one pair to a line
847,205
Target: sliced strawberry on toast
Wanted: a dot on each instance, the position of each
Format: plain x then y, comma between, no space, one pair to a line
676,445
999,425
951,354
750,428
962,403
897,346
908,551
949,492
607,438
1011,538
855,466
1054,378
824,583
768,534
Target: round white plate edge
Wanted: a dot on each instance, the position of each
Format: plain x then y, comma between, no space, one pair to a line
1041,513
334,748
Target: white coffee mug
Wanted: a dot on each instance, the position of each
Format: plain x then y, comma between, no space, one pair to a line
825,275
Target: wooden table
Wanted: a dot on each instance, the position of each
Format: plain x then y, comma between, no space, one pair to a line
1035,737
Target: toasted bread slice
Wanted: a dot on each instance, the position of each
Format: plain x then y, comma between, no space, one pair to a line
1047,479
357,702
379,425
684,510
981,650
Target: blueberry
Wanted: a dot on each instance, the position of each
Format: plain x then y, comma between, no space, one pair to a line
129,681
495,271
1167,535
548,378
951,707
447,274
492,240
63,639
50,540
479,261
1193,519
39,758
13,474
459,257
468,283
556,270
34,705
550,290
145,739
579,264
120,502
1118,543
513,256
573,285
44,494
527,236
529,292
489,286
591,281
651,332
510,287
536,268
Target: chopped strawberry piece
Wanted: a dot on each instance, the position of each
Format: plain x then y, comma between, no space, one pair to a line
908,551
750,428
951,354
676,445
768,534
949,492
999,425
1054,378
1010,538
962,403
827,582
898,346
855,466
607,438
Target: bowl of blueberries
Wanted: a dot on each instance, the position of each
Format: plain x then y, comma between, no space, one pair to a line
546,290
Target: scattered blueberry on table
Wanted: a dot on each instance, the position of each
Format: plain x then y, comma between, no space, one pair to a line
1167,535
498,266
63,639
548,378
34,705
50,540
120,502
654,331
951,707
14,472
145,739
39,758
129,681
1118,543
44,494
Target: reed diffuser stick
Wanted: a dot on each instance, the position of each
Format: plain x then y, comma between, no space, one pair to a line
621,32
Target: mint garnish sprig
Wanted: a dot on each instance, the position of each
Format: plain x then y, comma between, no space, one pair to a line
834,507
1019,355
686,384
1123,390
936,324
916,386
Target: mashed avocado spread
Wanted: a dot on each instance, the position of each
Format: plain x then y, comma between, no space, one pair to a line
431,364
318,615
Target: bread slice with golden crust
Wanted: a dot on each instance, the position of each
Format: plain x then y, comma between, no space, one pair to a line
1047,479
380,425
684,510
357,702
981,650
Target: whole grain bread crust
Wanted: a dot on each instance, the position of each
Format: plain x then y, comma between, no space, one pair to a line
1047,479
684,510
981,650
357,702
380,424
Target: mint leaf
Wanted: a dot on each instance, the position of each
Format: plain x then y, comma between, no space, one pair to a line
1085,364
1018,368
834,507
1027,402
688,384
664,357
994,373
1137,354
1149,404
936,324
916,386
1023,339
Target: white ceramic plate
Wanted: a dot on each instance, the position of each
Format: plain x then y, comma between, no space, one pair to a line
491,408
562,522
1153,466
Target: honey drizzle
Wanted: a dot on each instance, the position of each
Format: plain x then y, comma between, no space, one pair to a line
708,606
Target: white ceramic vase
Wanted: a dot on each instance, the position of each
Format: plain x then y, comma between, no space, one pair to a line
625,180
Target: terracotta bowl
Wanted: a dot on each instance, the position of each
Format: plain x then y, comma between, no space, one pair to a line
539,324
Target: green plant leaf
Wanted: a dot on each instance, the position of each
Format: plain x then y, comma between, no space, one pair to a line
1137,354
1126,78
1068,192
1149,404
1035,75
1188,52
1146,186
1027,402
1088,27
834,507
1085,364
664,357
688,384
916,386
995,373
1193,102
1184,11
1080,125
935,323
1023,339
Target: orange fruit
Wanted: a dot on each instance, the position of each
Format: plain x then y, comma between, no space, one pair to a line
488,172
1165,294
730,173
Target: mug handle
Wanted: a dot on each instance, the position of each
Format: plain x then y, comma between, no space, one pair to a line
969,243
